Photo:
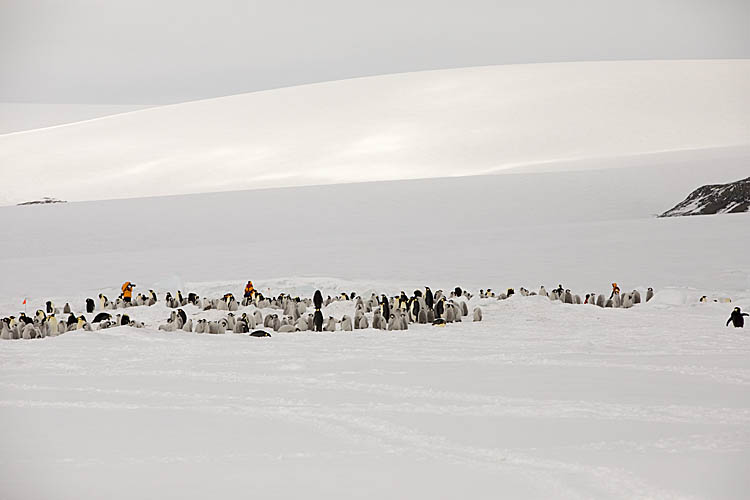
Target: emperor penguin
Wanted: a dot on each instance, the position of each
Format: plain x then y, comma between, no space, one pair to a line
363,323
40,315
543,291
392,324
301,325
600,300
276,322
377,320
440,307
230,321
260,333
477,314
358,314
182,316
385,307
450,313
66,309
5,332
330,324
636,297
258,317
29,332
101,317
404,321
241,326
649,294
422,317
169,326
627,300
430,315
54,329
346,324
268,322
577,299
287,329
616,300
50,307
567,297
188,326
318,320
200,327
464,308
103,302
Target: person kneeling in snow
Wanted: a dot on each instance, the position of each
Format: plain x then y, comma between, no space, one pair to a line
737,319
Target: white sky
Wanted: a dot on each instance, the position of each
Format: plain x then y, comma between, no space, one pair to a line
153,52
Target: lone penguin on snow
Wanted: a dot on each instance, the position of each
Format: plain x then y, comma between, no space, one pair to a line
737,319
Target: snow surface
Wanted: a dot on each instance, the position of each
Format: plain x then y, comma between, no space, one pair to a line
540,400
415,125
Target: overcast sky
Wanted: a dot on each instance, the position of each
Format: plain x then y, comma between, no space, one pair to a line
164,51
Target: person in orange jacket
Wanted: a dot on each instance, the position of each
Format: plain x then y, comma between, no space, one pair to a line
249,290
615,290
127,291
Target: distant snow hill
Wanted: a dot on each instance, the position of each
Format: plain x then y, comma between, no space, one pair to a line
406,126
730,198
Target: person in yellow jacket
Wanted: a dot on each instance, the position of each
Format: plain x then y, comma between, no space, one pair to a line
249,290
127,291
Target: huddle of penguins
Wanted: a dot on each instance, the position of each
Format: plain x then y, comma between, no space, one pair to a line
45,322
394,313
564,295
379,312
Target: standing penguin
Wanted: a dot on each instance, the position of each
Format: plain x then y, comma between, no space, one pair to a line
318,319
649,294
428,298
330,324
477,314
346,323
440,308
318,299
385,307
737,319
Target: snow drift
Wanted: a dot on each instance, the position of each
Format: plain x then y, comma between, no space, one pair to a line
405,126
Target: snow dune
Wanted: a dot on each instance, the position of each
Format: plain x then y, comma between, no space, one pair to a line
405,126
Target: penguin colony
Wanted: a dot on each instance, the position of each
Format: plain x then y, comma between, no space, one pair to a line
564,295
378,312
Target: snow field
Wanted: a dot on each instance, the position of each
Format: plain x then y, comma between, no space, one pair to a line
539,400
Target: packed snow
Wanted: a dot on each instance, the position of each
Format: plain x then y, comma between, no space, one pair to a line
415,125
